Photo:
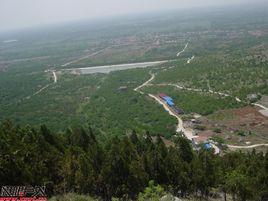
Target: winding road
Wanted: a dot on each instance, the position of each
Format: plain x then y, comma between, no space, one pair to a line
180,128
179,53
188,132
190,60
145,83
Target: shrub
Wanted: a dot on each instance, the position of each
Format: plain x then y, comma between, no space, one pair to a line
217,130
200,127
241,133
151,193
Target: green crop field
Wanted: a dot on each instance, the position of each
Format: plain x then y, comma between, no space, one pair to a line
228,58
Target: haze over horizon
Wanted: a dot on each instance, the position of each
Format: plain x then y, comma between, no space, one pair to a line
17,14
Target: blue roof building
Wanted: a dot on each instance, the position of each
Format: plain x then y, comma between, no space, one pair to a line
170,102
167,98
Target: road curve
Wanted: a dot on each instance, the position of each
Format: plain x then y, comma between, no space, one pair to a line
190,60
145,83
187,132
179,53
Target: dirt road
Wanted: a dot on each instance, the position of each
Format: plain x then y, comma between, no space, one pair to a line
43,88
190,60
39,91
145,83
55,76
261,106
82,58
246,147
187,132
179,53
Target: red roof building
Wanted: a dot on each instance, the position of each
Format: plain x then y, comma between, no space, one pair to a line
162,95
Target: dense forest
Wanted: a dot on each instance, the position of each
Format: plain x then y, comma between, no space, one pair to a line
76,161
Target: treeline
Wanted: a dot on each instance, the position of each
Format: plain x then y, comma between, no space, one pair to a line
75,161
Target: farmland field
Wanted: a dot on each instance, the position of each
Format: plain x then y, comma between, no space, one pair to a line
202,56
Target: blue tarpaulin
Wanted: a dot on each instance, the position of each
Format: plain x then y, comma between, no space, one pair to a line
208,146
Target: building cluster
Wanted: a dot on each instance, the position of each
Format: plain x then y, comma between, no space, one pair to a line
169,101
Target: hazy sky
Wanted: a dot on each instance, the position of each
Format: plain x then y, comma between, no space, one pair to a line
16,14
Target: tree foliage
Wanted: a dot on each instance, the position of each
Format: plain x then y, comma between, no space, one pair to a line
76,161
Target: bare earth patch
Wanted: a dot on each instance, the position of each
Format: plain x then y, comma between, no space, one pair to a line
242,126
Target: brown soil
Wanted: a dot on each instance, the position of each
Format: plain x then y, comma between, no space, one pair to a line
204,136
245,125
